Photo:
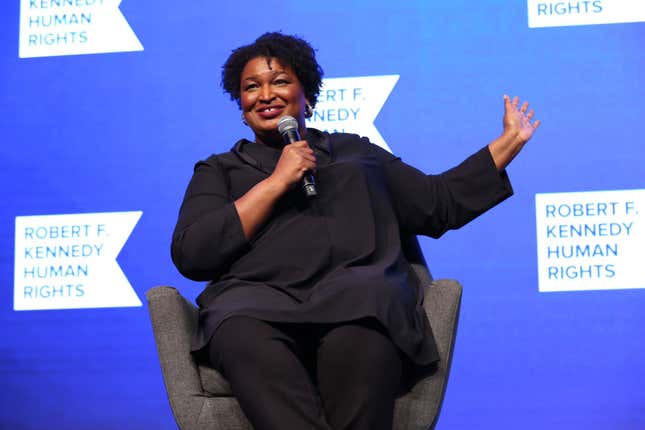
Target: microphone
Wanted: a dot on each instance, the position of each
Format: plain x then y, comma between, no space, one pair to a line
288,128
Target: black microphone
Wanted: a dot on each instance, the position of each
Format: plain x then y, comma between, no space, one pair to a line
288,128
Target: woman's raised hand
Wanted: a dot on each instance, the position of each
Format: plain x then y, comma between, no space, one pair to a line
517,121
518,129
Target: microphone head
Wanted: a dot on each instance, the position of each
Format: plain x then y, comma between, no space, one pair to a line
286,124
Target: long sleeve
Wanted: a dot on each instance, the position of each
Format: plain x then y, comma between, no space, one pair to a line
208,236
432,204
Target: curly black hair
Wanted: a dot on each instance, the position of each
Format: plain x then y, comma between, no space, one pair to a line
291,51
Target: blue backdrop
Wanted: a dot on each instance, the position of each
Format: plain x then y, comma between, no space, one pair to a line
121,131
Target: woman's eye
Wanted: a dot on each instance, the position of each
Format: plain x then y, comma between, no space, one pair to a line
281,81
250,86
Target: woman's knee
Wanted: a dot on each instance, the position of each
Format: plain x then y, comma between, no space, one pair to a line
360,353
239,340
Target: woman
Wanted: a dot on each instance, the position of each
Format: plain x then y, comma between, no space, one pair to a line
312,313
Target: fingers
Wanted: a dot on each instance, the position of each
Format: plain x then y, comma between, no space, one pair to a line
303,150
530,115
516,115
297,157
309,157
507,101
514,103
509,105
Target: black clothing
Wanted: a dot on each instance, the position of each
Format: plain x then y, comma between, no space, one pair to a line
297,376
336,257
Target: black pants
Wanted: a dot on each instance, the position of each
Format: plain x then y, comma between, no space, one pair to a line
310,376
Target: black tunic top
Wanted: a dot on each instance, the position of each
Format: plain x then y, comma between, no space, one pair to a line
333,258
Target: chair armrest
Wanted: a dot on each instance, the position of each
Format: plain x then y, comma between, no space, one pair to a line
419,408
173,321
442,303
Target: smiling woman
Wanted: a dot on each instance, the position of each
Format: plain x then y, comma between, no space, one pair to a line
269,91
313,319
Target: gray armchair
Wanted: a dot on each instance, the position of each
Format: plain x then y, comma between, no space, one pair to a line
201,398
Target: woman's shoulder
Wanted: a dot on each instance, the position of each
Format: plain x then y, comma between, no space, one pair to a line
222,160
340,137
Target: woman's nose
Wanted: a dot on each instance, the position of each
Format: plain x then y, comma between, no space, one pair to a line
266,93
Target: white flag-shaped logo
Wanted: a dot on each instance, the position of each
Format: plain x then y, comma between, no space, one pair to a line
350,105
558,13
592,240
69,261
50,28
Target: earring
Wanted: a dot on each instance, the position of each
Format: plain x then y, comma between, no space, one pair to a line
309,112
244,120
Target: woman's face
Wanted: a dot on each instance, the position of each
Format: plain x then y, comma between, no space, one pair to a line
269,91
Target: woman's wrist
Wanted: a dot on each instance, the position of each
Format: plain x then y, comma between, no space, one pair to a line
274,185
505,148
